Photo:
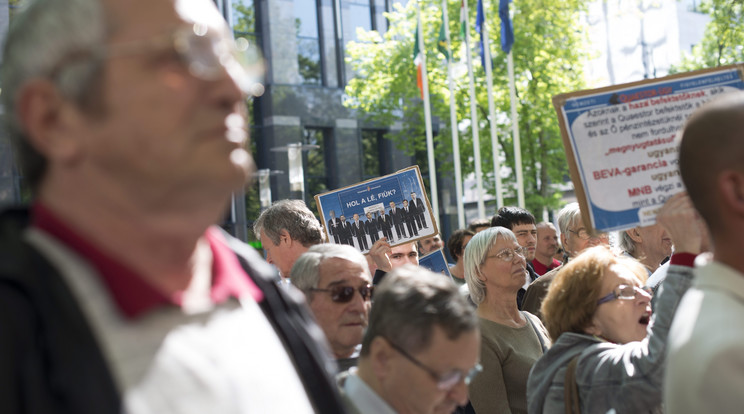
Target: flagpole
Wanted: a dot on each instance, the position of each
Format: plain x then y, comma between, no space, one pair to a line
507,40
515,130
492,112
474,118
453,122
427,118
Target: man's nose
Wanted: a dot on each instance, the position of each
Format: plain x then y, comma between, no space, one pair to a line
459,393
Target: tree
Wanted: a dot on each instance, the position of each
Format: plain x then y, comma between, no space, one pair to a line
548,51
723,41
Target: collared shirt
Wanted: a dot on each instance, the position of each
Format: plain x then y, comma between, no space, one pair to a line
133,295
541,269
363,397
168,359
706,343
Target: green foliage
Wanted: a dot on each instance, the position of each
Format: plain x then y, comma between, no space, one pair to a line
309,68
246,17
548,49
723,41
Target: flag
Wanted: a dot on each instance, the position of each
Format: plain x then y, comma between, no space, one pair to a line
418,60
442,39
479,20
463,19
507,31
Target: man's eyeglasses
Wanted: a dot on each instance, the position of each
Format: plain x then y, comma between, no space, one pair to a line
584,235
507,255
626,292
204,51
344,294
446,381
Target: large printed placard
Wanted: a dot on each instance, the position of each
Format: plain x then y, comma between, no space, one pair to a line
394,206
621,142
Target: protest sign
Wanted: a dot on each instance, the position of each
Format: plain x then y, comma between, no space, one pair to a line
436,262
394,206
621,142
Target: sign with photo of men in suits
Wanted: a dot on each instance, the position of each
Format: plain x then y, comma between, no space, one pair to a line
394,206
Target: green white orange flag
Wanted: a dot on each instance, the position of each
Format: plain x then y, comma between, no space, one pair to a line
442,39
418,60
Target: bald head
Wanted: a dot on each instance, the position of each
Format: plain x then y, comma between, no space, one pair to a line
712,146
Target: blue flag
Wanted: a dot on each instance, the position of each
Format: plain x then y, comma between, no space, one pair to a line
507,31
479,18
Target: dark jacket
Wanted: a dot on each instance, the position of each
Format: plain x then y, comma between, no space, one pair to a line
49,359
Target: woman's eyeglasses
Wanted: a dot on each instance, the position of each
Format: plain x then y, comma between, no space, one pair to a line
507,255
626,292
344,294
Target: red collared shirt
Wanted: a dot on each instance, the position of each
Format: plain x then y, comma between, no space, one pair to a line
132,294
541,269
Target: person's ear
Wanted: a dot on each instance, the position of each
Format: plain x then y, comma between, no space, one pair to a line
284,237
731,188
480,274
594,327
380,353
49,120
634,235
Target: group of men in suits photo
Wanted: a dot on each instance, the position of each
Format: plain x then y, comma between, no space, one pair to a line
404,222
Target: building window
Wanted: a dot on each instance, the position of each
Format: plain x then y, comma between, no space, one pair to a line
244,21
380,22
357,14
371,140
308,41
316,176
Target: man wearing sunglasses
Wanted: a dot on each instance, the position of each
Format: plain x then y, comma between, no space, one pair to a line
337,284
117,291
420,351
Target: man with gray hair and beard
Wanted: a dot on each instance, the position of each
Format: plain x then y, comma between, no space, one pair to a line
286,230
118,291
420,351
330,276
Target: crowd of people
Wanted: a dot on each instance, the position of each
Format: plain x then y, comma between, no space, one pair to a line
118,293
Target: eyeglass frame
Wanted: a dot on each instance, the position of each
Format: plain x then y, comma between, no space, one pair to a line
370,288
443,384
179,40
520,251
617,294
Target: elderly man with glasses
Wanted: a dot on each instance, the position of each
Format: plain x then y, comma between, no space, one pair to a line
118,292
330,276
420,351
575,238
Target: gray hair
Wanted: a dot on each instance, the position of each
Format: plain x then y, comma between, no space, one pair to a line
305,272
410,302
475,255
626,243
54,40
292,216
567,216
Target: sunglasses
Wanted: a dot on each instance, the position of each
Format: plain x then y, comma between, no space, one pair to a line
344,294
